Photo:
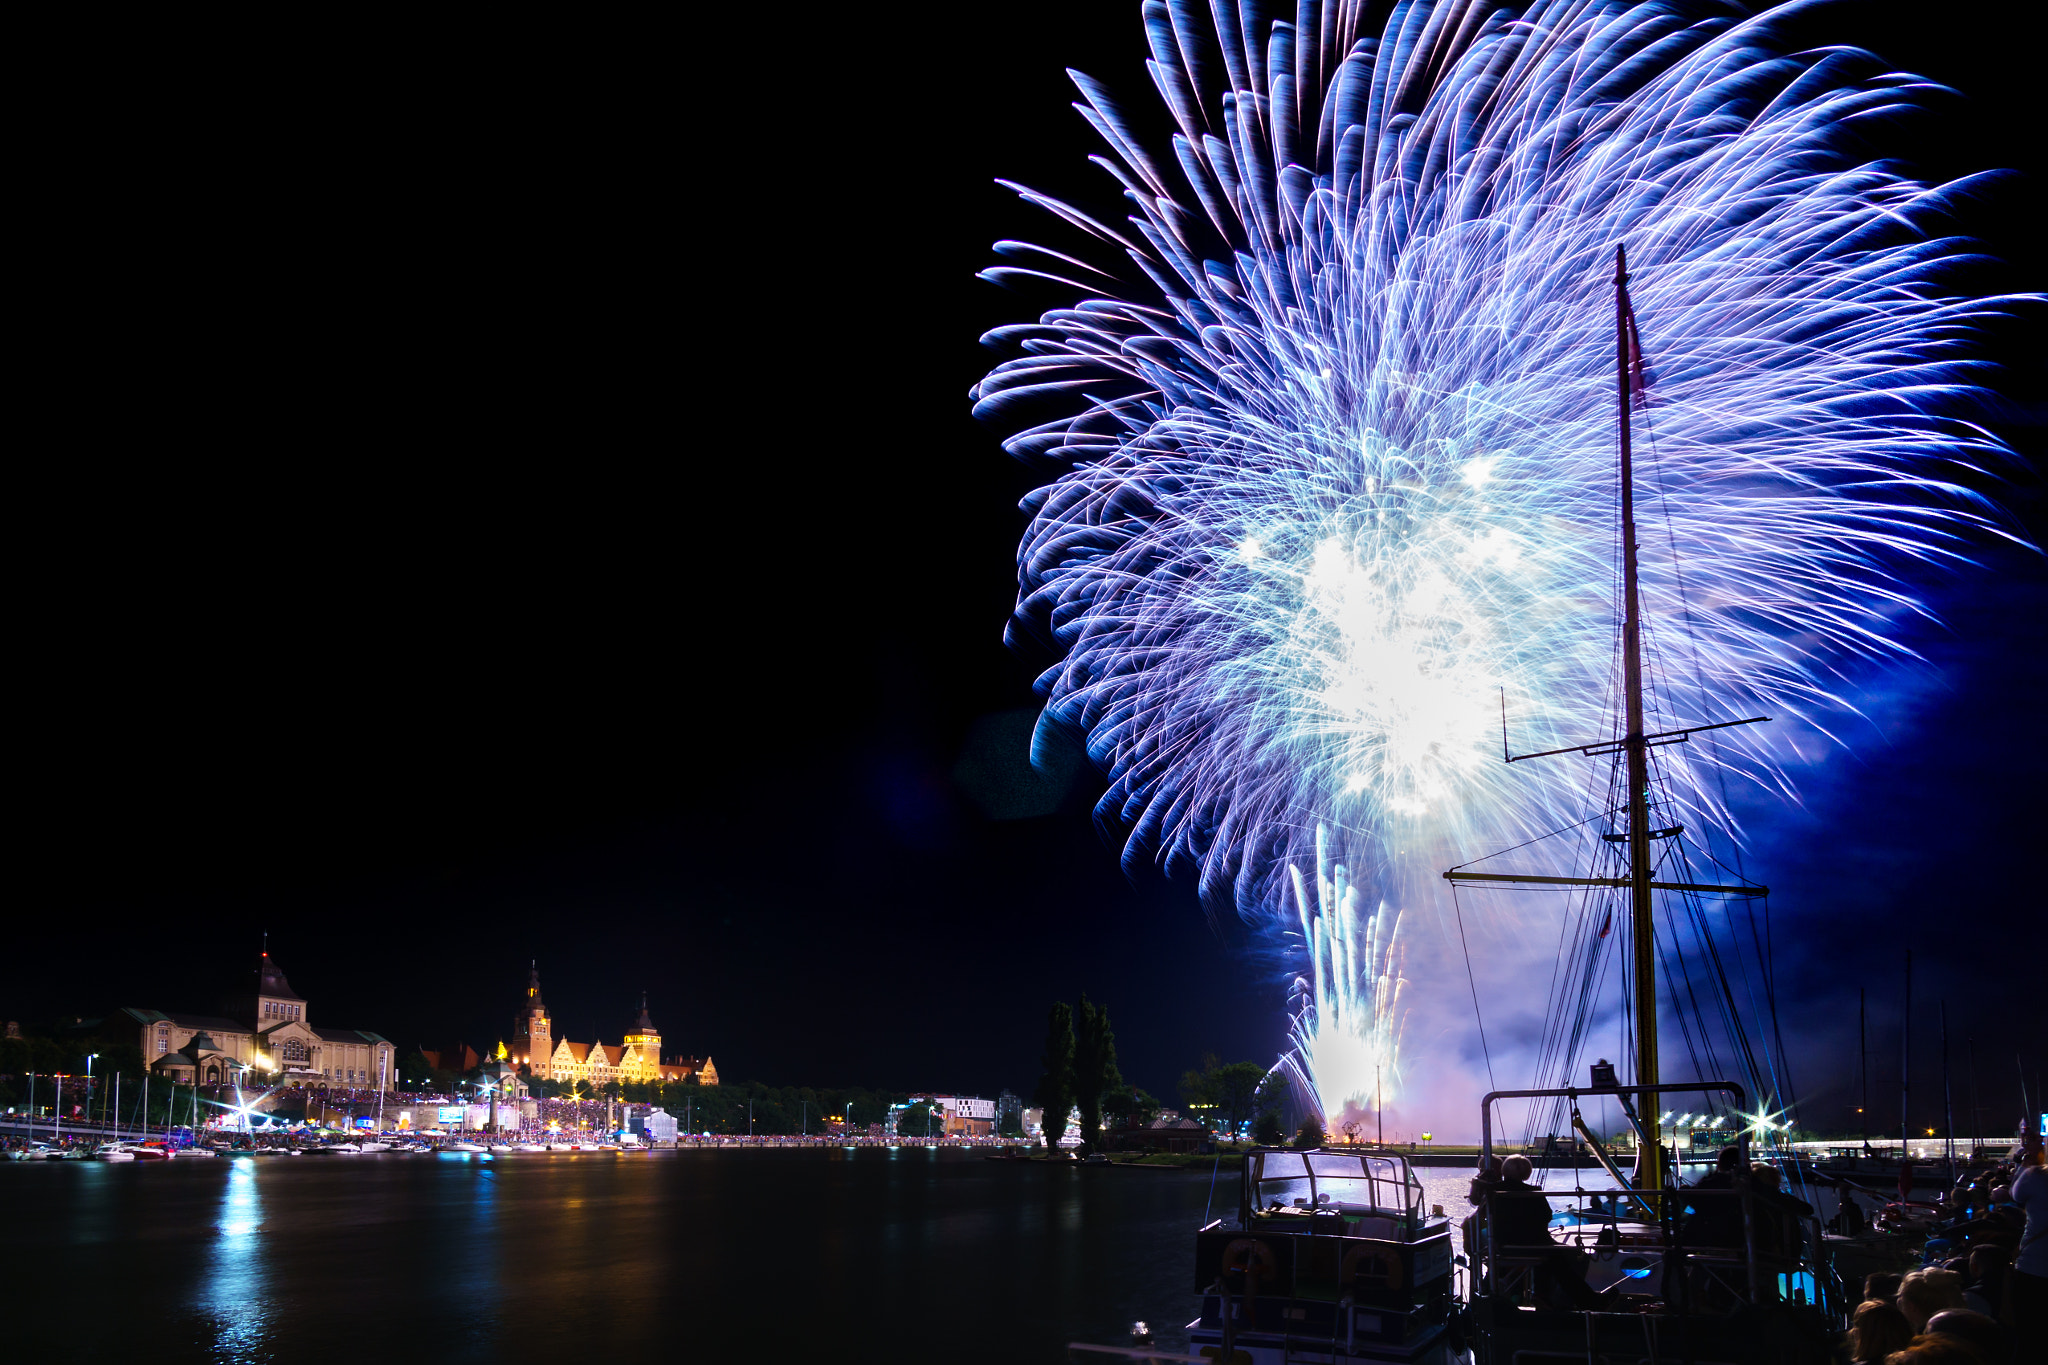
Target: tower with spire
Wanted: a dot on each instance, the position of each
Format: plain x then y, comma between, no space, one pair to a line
644,1043
533,1041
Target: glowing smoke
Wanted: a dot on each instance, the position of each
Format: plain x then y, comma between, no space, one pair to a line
1332,422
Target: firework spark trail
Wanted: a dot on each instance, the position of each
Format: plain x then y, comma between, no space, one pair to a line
1333,431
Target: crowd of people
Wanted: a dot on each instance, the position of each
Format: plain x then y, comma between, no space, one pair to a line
1982,1299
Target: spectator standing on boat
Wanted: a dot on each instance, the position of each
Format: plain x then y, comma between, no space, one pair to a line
1848,1215
2026,1285
1878,1329
1718,1222
1520,1215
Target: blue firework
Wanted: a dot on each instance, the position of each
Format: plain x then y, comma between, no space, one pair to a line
1330,420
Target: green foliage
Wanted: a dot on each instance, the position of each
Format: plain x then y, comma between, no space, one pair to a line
1055,1092
1010,1124
1129,1107
1231,1094
415,1072
920,1120
777,1109
1310,1134
1095,1069
1266,1129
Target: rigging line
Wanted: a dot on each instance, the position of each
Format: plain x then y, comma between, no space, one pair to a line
1671,979
1561,829
1485,1051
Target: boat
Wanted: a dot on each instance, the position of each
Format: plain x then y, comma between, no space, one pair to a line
372,1145
1722,1270
530,1147
191,1153
463,1147
113,1151
1332,1259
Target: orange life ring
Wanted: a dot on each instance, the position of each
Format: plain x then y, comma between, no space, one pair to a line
1370,1268
1254,1258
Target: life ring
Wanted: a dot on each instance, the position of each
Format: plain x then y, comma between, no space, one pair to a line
1255,1259
1369,1268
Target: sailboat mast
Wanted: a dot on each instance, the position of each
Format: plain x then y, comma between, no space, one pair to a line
1649,1167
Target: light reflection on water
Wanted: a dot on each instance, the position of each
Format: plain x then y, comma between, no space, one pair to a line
560,1258
234,1292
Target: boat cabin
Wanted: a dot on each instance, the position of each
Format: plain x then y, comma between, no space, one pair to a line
1332,1254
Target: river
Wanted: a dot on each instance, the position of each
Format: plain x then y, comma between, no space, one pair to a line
732,1254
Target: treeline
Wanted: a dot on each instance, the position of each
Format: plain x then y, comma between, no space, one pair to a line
776,1110
1079,1075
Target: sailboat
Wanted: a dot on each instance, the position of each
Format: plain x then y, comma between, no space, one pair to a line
1724,1269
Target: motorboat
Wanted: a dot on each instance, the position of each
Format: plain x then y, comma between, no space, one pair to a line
1332,1259
190,1153
463,1147
113,1151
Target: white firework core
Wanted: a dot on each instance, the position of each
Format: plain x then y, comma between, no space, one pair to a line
1334,454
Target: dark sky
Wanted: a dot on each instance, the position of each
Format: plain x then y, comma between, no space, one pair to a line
517,500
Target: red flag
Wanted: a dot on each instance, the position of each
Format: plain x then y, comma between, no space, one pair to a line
1639,376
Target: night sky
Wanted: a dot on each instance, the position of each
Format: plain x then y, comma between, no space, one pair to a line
484,510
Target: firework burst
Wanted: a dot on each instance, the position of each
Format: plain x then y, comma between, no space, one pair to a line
1331,422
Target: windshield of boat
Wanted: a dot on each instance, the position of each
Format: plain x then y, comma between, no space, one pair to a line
1344,1181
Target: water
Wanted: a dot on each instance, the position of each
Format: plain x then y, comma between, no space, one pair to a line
728,1254
724,1255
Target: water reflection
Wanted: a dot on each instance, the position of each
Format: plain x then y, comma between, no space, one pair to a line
232,1294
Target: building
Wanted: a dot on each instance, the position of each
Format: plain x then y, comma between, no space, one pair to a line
964,1115
1009,1112
539,1053
275,1039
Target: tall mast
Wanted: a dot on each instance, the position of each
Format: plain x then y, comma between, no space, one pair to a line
1863,1069
1649,1167
1906,1067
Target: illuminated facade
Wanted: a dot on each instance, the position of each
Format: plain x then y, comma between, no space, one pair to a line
536,1050
276,1041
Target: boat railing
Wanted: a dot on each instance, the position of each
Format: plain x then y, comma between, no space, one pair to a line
1717,1248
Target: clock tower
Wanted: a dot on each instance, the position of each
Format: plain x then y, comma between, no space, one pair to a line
533,1042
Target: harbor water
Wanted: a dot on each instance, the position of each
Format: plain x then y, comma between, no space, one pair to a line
739,1254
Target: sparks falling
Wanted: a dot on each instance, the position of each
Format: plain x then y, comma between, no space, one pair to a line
1331,427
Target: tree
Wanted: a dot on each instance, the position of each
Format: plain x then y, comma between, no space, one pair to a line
1055,1092
415,1072
1095,1070
1129,1107
1234,1093
920,1120
1010,1123
1310,1134
1266,1130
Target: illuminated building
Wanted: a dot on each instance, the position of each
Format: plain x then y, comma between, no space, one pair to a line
961,1115
637,1058
276,1039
